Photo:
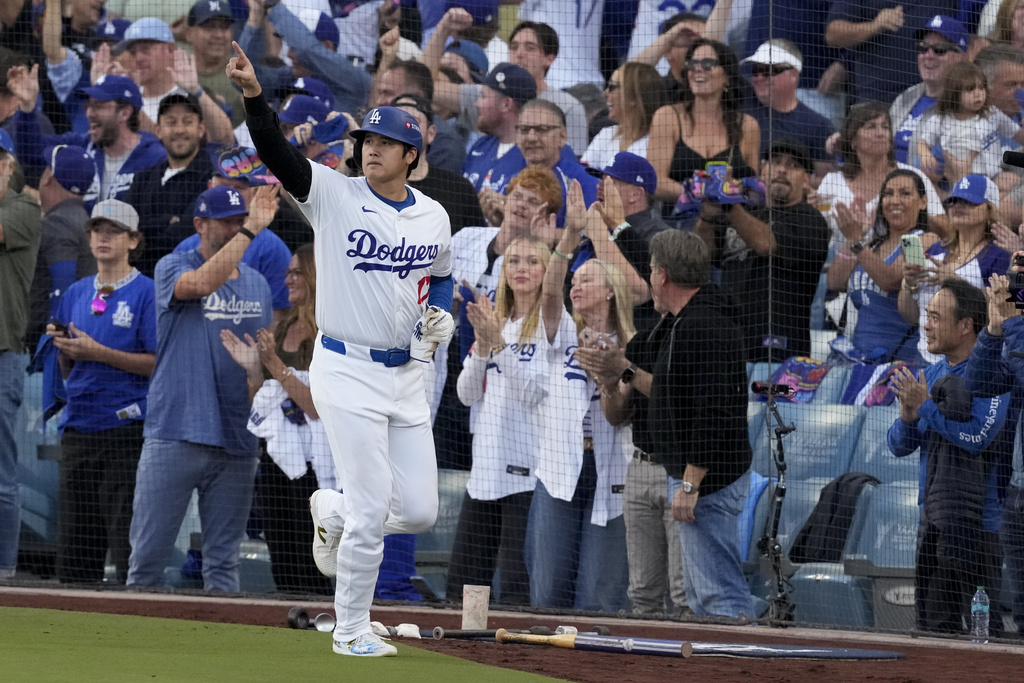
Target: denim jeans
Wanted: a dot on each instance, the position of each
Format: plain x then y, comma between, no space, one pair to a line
572,562
1011,535
168,472
715,584
12,386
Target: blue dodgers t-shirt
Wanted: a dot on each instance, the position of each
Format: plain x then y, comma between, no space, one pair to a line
482,157
906,128
100,396
268,255
199,393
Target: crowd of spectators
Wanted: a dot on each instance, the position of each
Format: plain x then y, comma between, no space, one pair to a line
576,151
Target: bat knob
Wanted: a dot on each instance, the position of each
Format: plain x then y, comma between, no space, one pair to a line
298,618
501,635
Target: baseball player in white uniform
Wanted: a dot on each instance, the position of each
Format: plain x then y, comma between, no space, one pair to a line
384,285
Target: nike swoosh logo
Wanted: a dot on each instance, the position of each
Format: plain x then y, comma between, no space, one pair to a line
322,533
365,210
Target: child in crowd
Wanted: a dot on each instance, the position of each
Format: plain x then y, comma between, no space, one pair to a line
967,128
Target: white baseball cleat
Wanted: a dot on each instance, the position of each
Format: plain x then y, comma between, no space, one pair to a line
366,645
325,545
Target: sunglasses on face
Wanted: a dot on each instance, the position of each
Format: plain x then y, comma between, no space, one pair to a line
99,302
939,50
769,70
706,64
539,130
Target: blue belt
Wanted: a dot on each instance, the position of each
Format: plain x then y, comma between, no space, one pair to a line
390,358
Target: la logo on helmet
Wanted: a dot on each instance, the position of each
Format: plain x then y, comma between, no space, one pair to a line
374,117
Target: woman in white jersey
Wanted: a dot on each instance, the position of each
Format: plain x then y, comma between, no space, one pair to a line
505,374
576,542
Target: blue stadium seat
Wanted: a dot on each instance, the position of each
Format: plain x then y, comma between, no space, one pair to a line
755,421
824,594
872,454
801,497
830,391
821,446
822,591
886,554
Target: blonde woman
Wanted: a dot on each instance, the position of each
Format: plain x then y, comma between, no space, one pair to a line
634,92
505,375
576,541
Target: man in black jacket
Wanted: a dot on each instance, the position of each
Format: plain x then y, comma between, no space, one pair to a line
691,366
163,195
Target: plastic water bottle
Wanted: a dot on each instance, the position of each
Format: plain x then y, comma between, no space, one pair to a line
979,616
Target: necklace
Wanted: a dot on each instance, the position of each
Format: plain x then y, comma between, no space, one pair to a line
962,258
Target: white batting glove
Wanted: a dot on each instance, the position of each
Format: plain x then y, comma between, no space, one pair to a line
421,350
436,325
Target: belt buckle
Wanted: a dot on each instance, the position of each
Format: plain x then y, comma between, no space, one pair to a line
394,358
588,444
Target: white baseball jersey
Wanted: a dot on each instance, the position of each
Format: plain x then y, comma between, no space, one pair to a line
578,25
374,262
509,387
572,400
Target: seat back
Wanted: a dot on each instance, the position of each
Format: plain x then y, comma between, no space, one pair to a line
821,446
872,454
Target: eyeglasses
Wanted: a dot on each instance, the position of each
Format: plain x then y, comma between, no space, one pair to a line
939,50
612,86
707,64
769,70
99,303
539,130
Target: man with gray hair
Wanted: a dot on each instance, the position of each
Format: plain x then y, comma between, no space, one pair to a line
692,369
1003,66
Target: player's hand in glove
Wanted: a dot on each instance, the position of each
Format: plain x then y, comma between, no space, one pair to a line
434,327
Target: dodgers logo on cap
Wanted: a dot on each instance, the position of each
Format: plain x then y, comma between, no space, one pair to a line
374,117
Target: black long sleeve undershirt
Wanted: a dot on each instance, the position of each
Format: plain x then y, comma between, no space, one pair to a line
282,158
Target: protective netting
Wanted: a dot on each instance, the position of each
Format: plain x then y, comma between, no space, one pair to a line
678,231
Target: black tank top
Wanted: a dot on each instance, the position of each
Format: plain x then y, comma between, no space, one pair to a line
685,160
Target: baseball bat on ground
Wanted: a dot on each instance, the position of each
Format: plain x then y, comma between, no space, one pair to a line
489,633
596,643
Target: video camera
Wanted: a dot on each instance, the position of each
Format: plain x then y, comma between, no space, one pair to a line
1017,286
712,185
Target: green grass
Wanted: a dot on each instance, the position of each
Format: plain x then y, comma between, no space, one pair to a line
39,645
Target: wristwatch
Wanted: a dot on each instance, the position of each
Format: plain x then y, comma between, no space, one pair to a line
688,487
857,247
629,373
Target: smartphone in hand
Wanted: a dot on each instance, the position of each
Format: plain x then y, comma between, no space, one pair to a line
913,252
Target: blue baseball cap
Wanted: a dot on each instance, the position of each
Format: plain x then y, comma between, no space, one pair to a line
975,189
109,88
313,87
113,30
633,169
482,11
949,28
321,25
147,28
6,143
474,56
394,123
220,202
204,10
303,109
512,81
71,166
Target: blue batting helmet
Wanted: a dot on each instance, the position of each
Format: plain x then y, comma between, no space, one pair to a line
394,123
391,122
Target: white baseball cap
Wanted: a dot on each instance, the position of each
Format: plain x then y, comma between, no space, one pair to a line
772,53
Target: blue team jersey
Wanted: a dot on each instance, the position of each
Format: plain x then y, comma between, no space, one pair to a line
200,394
100,396
268,255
